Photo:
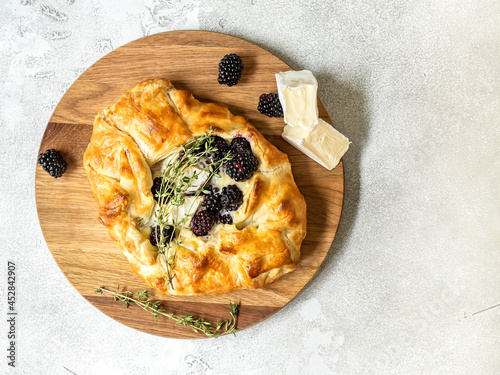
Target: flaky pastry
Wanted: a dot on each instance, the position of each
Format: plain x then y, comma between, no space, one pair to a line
131,138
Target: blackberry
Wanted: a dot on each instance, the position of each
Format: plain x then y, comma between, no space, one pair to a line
225,217
215,142
211,189
230,68
155,189
222,148
202,222
155,236
212,202
242,166
181,155
53,163
240,144
269,105
231,197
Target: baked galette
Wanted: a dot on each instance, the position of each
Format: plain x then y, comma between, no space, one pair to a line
197,199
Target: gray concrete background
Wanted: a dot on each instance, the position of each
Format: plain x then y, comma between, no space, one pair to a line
412,280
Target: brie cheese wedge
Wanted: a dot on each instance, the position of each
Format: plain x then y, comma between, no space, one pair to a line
323,143
297,91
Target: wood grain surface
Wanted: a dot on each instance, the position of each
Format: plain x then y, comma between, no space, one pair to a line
67,209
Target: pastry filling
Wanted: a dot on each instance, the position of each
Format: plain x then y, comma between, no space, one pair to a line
199,186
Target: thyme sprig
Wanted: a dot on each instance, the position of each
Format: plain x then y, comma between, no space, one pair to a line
177,179
197,324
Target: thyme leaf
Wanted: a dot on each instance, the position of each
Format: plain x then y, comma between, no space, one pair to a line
175,183
197,324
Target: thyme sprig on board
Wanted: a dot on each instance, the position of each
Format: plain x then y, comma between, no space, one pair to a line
188,164
197,324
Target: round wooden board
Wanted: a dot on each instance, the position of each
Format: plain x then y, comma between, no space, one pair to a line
67,209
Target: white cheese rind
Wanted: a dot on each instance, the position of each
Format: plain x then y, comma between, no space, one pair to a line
297,91
177,213
323,143
190,206
198,181
191,203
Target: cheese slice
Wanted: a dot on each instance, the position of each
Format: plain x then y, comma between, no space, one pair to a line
297,91
323,143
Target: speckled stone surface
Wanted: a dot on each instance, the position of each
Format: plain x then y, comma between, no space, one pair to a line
412,282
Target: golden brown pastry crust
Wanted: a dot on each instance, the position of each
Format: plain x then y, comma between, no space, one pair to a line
146,124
